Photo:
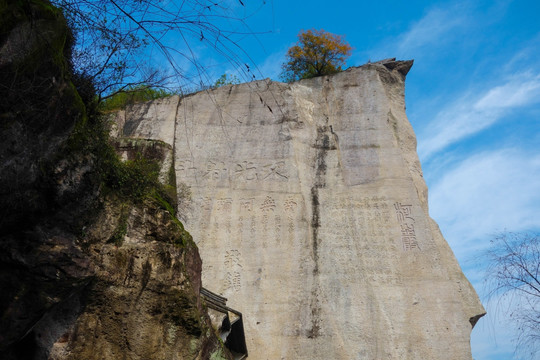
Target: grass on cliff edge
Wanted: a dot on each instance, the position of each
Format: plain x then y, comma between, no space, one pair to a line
35,100
142,93
130,182
132,95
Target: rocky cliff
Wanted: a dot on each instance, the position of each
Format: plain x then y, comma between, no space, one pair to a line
310,212
93,262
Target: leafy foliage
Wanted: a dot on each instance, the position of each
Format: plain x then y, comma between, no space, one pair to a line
513,276
125,182
133,95
133,179
316,53
226,79
117,237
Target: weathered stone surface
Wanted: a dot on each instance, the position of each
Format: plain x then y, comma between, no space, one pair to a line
152,120
310,213
89,297
87,269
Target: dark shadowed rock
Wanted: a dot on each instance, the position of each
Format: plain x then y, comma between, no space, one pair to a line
87,270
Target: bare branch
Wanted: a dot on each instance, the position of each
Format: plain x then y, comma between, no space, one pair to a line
116,39
514,261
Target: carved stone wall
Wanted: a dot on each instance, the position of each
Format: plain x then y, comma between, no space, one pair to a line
310,212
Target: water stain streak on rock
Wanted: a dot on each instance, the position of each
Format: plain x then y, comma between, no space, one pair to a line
310,212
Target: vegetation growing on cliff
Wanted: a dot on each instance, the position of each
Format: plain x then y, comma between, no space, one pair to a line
316,53
133,95
226,79
124,43
56,134
130,182
68,204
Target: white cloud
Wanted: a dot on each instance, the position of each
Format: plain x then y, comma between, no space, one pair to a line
512,94
433,28
470,115
525,56
438,27
487,193
271,67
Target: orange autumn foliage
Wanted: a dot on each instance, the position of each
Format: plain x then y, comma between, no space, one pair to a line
316,53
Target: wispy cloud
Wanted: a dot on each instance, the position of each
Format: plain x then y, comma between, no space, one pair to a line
473,200
516,92
436,26
271,67
487,193
471,114
527,55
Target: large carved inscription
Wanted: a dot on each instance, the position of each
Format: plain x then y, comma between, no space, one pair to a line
369,216
246,170
267,209
326,248
406,223
363,236
233,264
290,207
245,224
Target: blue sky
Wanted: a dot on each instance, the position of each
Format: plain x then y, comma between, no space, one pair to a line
473,98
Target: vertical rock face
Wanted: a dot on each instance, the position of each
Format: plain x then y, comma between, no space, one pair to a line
87,270
310,212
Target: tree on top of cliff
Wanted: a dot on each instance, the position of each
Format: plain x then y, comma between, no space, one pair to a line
316,53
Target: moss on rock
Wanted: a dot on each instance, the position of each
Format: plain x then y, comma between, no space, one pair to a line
94,262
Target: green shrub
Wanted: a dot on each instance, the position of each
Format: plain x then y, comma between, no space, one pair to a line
131,180
117,237
132,96
226,79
